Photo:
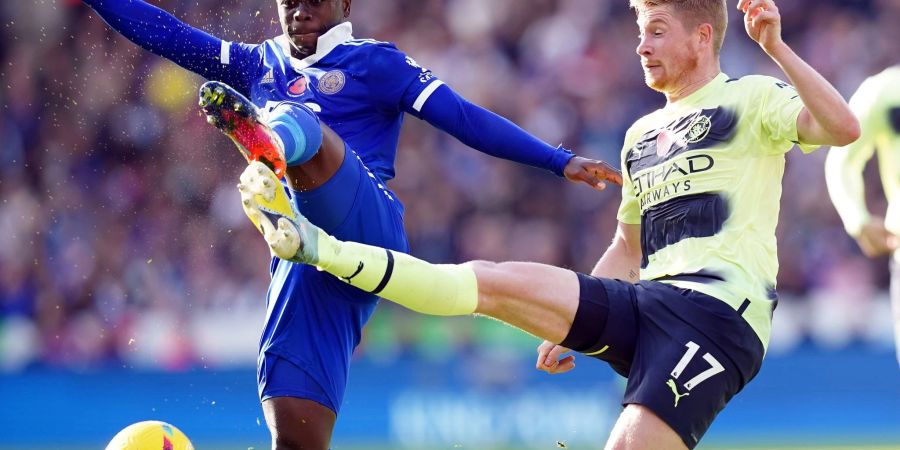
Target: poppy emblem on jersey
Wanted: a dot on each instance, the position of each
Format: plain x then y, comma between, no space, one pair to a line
698,129
297,87
332,82
665,141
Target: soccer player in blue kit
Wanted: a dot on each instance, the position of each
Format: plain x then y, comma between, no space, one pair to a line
324,110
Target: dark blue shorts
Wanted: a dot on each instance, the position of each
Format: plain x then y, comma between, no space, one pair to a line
314,320
685,354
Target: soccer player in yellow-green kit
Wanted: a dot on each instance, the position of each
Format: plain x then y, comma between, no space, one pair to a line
877,105
681,302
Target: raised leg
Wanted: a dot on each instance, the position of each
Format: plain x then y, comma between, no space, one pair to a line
537,298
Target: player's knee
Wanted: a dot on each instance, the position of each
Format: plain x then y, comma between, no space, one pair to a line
486,272
283,443
639,428
491,280
479,265
299,130
297,438
297,423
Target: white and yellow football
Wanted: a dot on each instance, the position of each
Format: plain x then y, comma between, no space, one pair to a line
150,435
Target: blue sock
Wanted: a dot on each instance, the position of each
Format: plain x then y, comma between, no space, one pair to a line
299,130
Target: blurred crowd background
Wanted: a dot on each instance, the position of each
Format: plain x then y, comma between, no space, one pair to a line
123,242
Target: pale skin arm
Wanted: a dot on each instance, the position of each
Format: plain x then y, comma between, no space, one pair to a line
875,240
844,168
826,118
622,260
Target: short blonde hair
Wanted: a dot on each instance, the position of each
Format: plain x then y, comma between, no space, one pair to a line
694,13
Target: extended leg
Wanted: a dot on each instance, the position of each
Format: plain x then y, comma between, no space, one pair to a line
540,299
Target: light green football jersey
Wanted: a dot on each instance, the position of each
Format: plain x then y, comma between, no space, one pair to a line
877,105
703,179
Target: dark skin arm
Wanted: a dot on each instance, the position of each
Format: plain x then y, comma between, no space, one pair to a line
592,172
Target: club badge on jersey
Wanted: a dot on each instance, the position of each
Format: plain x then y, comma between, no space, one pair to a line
332,82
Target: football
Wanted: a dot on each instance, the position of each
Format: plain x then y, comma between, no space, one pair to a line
150,435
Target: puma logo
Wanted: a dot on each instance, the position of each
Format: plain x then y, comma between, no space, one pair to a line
358,270
674,388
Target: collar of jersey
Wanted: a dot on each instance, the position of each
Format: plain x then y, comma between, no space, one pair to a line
337,35
700,93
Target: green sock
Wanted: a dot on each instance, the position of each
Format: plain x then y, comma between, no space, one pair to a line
435,289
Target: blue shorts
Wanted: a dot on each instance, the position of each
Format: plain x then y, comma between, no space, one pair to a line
685,354
314,320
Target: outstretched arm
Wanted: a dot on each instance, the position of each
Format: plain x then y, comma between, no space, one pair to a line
490,133
826,118
399,84
159,32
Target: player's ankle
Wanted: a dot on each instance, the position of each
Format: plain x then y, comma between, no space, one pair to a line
298,130
324,252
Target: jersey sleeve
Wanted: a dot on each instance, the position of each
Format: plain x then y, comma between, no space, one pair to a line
239,65
490,133
398,82
779,105
844,165
629,208
159,32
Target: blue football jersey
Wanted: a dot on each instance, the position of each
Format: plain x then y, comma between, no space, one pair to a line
358,87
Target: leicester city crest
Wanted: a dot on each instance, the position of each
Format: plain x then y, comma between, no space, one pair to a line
332,82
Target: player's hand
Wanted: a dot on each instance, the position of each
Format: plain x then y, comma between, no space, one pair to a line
875,240
592,172
762,22
548,358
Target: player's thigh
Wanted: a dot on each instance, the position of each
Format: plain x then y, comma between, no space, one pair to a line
639,428
355,205
607,322
685,386
297,423
537,298
693,354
